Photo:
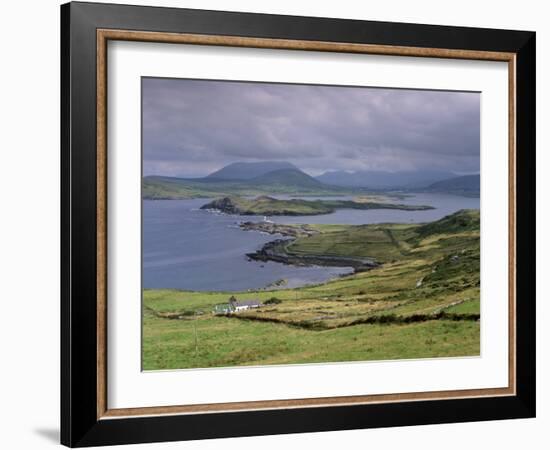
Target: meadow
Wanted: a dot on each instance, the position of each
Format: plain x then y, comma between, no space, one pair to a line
421,302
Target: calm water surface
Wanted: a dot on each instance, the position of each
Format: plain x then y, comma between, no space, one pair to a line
188,248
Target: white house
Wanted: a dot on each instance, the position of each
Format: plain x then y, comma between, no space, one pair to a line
244,305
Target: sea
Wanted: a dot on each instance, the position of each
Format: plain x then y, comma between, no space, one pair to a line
185,247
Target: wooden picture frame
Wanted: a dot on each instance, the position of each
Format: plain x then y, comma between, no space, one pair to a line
86,418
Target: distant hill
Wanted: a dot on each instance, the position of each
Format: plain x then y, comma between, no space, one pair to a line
458,222
287,177
244,179
465,185
374,179
283,181
249,170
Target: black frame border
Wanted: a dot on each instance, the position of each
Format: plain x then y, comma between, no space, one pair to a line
79,424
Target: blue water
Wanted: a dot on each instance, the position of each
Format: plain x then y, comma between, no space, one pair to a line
185,247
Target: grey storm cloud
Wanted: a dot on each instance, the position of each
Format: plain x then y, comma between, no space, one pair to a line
193,127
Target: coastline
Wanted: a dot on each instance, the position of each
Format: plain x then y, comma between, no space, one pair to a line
276,250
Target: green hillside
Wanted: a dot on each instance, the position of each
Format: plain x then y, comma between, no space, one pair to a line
421,302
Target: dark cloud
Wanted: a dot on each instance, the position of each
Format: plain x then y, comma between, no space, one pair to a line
193,127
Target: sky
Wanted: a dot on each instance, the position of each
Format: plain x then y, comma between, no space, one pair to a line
194,127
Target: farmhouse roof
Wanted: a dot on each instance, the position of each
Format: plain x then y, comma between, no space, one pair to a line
247,303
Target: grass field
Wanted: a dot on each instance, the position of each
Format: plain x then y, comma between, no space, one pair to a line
423,301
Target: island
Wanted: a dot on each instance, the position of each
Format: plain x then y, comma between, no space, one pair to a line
269,206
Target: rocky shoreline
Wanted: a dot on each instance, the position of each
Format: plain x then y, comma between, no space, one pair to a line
277,250
276,228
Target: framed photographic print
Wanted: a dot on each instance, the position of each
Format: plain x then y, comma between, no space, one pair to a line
277,224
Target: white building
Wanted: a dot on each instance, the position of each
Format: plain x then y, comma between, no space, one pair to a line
244,305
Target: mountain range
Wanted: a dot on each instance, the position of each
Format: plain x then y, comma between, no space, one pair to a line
374,179
464,185
247,171
244,179
278,177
